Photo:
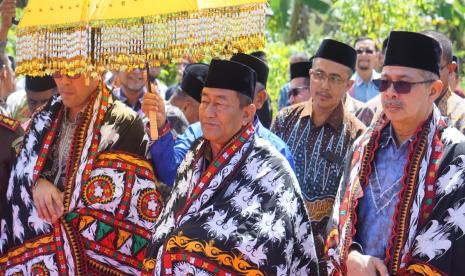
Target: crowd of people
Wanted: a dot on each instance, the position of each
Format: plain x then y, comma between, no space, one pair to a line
360,172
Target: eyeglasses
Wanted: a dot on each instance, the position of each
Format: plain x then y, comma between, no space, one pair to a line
58,75
296,91
333,79
401,87
367,51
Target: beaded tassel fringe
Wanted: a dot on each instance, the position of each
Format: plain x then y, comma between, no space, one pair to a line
131,43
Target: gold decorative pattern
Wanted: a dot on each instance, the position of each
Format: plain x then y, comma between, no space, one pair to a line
422,269
9,123
126,158
92,45
236,262
29,246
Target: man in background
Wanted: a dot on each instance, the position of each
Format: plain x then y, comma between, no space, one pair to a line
364,88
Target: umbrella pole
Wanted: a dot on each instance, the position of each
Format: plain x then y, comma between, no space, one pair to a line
152,115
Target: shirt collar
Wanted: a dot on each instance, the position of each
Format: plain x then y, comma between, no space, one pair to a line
257,124
122,97
335,119
388,136
358,81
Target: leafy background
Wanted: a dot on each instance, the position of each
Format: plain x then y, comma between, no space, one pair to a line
297,25
300,25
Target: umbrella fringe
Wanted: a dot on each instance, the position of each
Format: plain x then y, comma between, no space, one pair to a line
125,44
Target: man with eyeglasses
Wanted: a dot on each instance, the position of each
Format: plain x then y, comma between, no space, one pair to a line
299,86
81,196
363,88
450,104
319,132
131,92
283,92
400,206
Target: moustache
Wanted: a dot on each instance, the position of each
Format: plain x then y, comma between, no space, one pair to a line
324,94
392,103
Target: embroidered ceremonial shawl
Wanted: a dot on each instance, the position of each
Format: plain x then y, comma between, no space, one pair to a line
428,224
242,215
110,199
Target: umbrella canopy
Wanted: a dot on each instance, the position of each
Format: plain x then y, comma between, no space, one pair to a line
76,36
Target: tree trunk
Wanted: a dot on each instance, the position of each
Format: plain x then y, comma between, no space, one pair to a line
299,27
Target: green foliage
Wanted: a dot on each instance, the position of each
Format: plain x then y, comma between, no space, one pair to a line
168,74
321,6
449,18
375,18
11,46
278,55
277,23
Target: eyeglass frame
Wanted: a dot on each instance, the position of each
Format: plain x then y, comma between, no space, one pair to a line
327,78
377,83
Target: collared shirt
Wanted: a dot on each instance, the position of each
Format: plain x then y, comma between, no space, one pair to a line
57,160
168,152
319,153
453,107
119,94
363,91
377,207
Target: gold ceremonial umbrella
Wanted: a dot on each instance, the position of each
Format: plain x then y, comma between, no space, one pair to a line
78,36
91,36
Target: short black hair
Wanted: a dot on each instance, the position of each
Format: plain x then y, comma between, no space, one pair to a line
244,100
444,42
363,38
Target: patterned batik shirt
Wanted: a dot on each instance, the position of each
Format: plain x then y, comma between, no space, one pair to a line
453,107
319,153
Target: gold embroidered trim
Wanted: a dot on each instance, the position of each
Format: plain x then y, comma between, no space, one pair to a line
221,257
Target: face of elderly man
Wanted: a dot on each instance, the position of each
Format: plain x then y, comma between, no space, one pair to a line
412,102
75,90
329,82
223,113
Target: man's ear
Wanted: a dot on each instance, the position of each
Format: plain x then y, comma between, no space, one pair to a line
451,67
349,84
185,106
260,99
249,114
436,89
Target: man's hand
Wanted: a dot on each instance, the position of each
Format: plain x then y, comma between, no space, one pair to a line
365,265
153,102
8,12
48,200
